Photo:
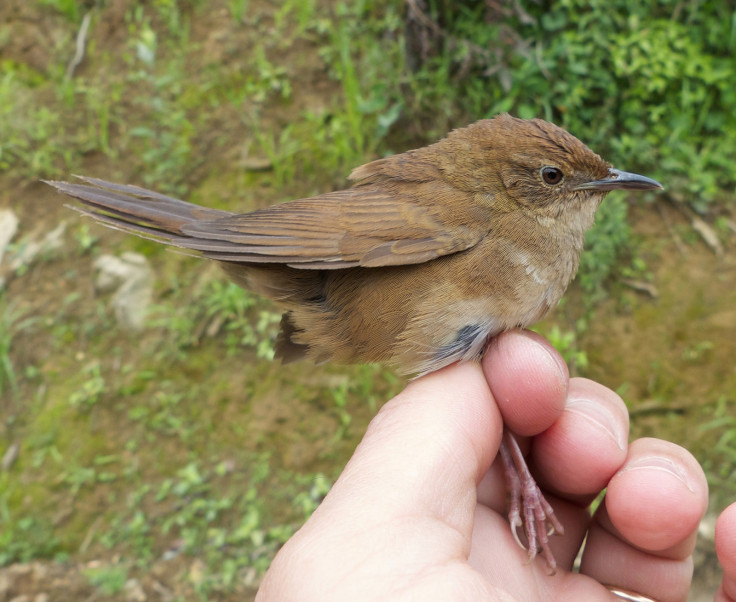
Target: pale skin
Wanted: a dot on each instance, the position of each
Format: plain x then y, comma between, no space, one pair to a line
419,511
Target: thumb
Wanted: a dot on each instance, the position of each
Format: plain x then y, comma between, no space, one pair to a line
425,452
401,514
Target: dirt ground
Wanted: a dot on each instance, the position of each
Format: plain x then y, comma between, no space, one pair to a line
669,349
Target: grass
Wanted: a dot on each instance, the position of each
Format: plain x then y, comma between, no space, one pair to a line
184,440
12,323
720,466
107,580
26,538
648,87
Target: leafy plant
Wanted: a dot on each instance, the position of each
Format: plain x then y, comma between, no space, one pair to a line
68,8
220,306
605,245
238,9
649,86
11,324
30,141
25,538
91,390
166,104
565,342
720,465
109,580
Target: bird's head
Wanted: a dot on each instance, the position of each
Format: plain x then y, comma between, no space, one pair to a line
538,167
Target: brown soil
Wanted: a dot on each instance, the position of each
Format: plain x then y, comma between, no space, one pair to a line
670,356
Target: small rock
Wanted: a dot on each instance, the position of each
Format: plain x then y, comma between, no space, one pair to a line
197,572
708,234
40,570
5,585
132,280
164,593
20,570
8,228
10,456
175,549
134,591
256,163
251,578
31,249
707,527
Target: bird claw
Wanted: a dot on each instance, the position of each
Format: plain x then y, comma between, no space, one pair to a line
526,499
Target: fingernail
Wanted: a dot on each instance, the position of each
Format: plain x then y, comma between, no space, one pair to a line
597,413
663,464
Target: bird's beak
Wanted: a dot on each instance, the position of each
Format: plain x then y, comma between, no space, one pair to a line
621,180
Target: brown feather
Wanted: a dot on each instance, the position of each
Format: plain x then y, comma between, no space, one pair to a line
426,257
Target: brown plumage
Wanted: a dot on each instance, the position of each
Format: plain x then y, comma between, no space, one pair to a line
426,257
430,254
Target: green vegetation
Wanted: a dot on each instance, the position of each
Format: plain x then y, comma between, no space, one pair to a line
108,580
217,514
12,322
25,538
649,86
720,466
183,442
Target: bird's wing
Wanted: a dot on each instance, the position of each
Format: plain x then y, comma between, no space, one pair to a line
355,227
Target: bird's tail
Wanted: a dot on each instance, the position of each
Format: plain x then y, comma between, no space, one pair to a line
132,209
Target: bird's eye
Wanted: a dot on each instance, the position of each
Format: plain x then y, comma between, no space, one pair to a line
551,175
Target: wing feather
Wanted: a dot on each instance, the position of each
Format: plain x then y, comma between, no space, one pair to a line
355,227
369,226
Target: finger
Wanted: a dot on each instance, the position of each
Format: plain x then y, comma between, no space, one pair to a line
425,452
658,498
574,459
529,382
528,379
404,505
643,535
726,550
579,454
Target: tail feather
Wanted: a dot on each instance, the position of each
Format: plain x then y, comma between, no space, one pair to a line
137,210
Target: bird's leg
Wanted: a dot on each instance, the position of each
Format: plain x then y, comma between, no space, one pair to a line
526,499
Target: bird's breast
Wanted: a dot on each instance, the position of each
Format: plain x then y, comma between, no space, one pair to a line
465,299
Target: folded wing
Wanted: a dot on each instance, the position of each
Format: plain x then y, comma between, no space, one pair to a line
362,226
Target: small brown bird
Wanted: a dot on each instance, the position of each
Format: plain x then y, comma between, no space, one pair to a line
426,257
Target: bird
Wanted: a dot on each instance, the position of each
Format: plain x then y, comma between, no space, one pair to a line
427,256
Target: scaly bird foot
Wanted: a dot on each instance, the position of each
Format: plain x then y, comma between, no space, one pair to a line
527,505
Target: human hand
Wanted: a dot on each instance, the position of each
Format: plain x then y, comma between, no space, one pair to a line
726,550
420,510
